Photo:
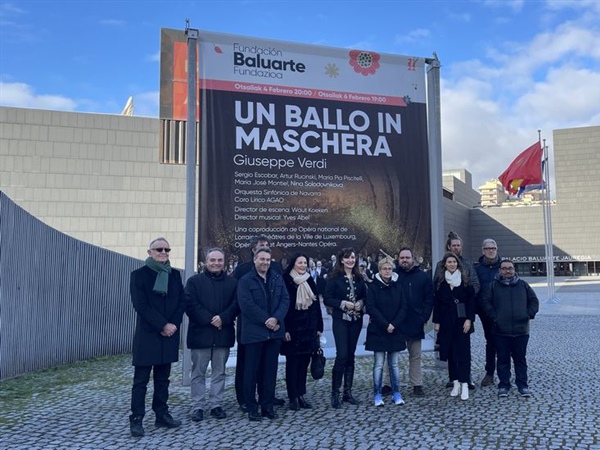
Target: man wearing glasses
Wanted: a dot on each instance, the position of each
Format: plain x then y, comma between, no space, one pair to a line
487,267
510,304
158,299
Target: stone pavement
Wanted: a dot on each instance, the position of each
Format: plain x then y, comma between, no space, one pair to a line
85,405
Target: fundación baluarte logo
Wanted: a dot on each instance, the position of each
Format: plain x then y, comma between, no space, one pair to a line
265,62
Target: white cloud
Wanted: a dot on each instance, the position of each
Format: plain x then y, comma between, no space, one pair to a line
412,36
515,5
23,95
146,104
491,110
155,57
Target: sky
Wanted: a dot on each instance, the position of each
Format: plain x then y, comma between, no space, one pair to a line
509,67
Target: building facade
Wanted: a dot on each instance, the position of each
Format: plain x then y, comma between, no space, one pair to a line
101,179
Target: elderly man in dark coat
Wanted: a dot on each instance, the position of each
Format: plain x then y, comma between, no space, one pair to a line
158,299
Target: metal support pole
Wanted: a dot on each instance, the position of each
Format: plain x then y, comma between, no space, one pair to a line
190,202
435,158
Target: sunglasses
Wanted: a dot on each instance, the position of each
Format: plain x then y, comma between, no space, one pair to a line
161,249
489,248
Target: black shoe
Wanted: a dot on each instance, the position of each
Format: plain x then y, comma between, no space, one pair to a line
335,401
218,413
197,415
303,403
471,386
350,399
386,390
294,405
135,425
254,416
278,402
269,413
166,421
243,408
450,384
418,391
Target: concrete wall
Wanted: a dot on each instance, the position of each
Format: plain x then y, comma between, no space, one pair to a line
95,177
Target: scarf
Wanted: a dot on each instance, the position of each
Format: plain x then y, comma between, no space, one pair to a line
453,279
161,285
490,262
507,281
304,294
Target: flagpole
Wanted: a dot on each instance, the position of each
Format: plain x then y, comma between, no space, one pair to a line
551,290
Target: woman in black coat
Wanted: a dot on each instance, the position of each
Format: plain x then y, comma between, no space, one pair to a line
386,307
345,294
303,326
158,299
453,316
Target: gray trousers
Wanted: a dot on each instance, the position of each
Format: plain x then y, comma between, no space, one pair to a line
217,357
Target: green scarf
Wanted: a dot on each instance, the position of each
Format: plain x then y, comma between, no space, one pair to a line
161,285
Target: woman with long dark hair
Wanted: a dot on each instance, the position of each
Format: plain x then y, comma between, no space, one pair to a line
303,326
453,316
345,294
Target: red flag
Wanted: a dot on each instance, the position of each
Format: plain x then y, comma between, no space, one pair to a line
526,169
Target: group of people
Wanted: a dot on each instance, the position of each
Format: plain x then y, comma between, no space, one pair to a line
276,310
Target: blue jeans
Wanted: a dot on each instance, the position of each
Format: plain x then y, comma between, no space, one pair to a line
379,358
514,347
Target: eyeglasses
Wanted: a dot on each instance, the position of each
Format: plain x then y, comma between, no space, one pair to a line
161,249
490,248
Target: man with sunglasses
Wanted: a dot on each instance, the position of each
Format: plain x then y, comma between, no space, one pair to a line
487,267
510,304
158,299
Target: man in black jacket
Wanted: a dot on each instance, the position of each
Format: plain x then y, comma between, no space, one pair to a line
263,300
510,304
418,291
211,305
240,363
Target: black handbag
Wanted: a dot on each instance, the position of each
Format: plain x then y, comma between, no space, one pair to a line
317,364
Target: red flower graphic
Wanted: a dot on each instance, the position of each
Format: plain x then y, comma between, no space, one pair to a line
365,63
218,49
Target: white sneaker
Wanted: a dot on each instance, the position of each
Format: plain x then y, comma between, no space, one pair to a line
455,389
379,400
464,391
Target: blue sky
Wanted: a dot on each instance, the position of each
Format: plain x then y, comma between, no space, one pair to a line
509,67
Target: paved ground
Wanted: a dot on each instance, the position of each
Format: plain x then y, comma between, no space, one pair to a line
85,406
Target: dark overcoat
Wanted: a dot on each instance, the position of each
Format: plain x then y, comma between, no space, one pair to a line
445,313
386,305
154,311
258,300
302,324
208,295
418,291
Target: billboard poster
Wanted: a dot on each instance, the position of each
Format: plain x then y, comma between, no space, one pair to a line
317,148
